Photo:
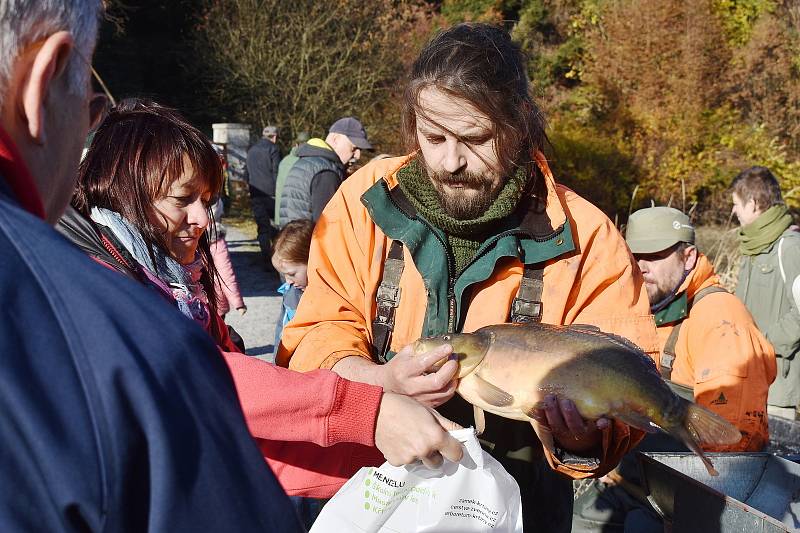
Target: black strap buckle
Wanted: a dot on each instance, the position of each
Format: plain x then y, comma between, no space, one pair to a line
527,305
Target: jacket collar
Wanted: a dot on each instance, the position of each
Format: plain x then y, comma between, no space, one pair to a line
14,172
318,148
700,277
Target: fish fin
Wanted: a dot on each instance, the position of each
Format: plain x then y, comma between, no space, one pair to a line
543,432
491,394
636,420
708,427
702,426
480,419
585,327
593,330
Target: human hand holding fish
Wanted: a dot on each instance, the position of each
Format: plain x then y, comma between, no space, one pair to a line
570,430
430,378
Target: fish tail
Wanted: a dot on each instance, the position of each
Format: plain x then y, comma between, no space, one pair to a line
709,428
701,426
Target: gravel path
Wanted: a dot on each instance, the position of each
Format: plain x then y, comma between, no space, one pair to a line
257,326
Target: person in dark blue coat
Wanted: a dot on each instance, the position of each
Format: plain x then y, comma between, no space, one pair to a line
107,422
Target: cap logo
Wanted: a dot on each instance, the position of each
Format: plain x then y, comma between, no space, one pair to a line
676,224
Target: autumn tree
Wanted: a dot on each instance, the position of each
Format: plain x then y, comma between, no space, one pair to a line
303,64
674,96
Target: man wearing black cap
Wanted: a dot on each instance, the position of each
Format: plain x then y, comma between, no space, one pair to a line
320,169
263,159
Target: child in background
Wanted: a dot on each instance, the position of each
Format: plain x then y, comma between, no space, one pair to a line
226,284
290,259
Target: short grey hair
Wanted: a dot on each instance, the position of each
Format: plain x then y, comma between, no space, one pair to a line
23,22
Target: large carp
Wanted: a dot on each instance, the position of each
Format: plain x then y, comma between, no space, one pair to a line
507,369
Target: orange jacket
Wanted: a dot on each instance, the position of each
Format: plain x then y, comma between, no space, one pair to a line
594,281
721,354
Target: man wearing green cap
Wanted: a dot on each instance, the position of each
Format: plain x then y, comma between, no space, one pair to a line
711,346
711,350
769,277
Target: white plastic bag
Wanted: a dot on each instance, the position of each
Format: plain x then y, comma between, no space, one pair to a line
475,494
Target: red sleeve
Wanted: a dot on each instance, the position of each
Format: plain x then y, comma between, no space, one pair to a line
318,407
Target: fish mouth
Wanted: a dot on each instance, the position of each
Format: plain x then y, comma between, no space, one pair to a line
468,349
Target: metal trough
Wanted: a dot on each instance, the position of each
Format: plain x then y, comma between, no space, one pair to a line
784,436
754,492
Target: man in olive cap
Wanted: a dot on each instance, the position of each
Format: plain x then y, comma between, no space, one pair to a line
709,346
711,351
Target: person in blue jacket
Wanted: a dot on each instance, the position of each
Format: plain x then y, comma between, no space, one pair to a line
107,423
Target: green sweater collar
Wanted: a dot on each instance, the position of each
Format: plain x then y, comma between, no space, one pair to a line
464,237
421,193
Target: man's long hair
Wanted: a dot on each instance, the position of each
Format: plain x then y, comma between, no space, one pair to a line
480,64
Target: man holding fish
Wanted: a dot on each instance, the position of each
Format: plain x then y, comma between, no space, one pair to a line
471,230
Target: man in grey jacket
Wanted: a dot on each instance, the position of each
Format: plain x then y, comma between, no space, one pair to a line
320,169
769,277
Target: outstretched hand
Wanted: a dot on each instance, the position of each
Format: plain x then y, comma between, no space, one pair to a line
406,431
416,375
570,430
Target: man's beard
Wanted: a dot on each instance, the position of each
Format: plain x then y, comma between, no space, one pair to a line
473,199
664,287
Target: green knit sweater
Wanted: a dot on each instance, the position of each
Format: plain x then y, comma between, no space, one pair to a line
463,236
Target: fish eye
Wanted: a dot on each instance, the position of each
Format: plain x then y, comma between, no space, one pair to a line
446,337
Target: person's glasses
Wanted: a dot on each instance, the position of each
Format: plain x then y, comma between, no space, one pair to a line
99,103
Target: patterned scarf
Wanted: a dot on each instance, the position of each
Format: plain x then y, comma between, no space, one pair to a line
182,281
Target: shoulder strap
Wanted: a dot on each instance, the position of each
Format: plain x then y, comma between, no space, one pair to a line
668,354
702,293
527,305
780,259
387,298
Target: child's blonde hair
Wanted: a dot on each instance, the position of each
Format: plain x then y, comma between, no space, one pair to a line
294,241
